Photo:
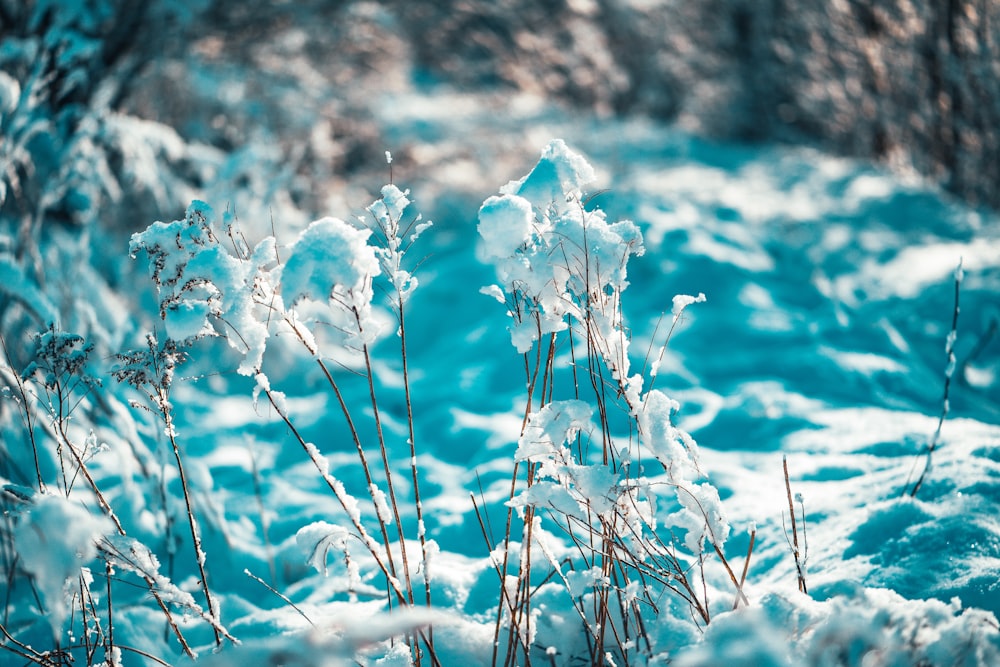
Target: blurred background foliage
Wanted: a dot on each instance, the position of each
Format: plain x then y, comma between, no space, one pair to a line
114,113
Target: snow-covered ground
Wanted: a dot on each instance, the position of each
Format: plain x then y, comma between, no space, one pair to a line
823,340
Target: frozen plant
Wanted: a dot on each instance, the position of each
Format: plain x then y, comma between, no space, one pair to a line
320,294
151,371
57,529
949,371
60,364
583,463
61,538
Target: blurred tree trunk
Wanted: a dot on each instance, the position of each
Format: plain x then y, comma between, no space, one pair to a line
913,83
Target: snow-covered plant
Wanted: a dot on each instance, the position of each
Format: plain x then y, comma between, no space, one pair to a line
394,239
151,371
319,293
62,381
58,527
605,466
68,157
949,372
62,537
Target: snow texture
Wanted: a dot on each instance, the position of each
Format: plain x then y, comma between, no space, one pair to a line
831,288
554,258
61,537
332,263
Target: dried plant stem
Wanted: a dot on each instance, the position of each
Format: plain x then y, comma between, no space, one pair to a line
421,528
383,453
949,372
746,568
88,649
199,554
281,595
22,650
144,654
63,438
25,410
340,494
504,602
389,563
524,608
800,570
601,598
264,523
151,584
110,636
520,607
732,576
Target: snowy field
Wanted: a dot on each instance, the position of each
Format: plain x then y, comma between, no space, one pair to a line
825,339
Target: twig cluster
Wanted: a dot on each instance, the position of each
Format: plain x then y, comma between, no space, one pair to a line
583,465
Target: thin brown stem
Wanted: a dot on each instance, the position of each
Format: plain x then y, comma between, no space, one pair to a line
383,452
746,568
945,403
82,468
355,437
264,522
340,494
278,593
111,623
795,533
25,411
421,528
343,499
199,554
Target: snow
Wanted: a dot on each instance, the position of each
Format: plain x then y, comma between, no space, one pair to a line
672,447
61,537
550,428
807,308
10,92
317,539
331,263
564,262
558,175
388,213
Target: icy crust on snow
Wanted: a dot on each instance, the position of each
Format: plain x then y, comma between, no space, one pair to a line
866,626
61,538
